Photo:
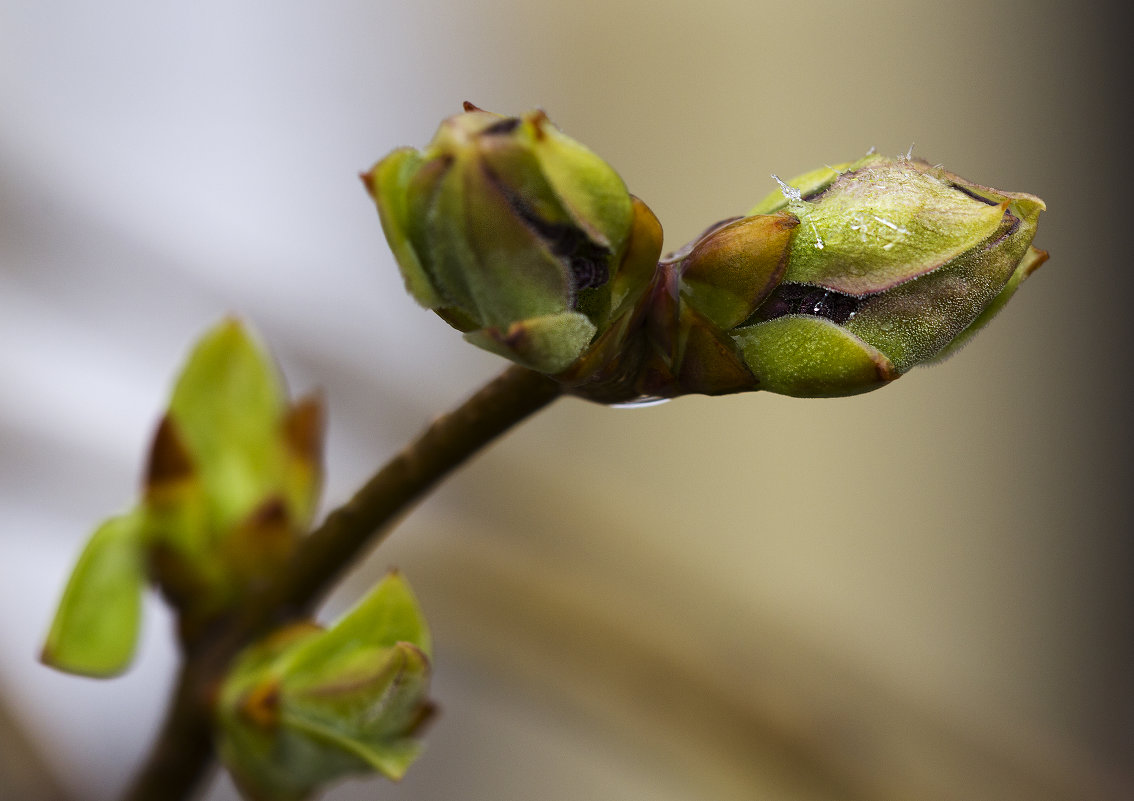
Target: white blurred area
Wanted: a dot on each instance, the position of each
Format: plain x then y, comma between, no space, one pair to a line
922,593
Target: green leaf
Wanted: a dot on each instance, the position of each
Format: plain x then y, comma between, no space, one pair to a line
96,626
227,404
388,615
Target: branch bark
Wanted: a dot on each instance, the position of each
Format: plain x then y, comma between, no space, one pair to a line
183,752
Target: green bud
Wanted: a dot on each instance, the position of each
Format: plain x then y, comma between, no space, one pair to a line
894,263
233,477
513,233
307,706
233,480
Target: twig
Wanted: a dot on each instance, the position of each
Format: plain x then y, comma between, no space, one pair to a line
26,774
183,752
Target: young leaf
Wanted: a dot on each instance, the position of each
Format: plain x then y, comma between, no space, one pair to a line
96,625
388,615
227,404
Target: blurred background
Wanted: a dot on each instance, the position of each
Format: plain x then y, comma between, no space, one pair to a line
922,593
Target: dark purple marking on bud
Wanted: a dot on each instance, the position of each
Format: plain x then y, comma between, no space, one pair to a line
587,260
505,126
811,196
806,299
964,190
588,272
1008,227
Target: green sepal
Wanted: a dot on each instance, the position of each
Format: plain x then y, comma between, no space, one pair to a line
811,357
883,224
517,275
730,271
387,182
96,625
546,344
369,704
587,186
1027,266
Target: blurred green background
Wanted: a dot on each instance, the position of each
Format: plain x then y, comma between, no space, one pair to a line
920,593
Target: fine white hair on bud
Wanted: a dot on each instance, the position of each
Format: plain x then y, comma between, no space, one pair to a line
790,192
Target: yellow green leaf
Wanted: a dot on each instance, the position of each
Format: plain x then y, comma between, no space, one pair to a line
96,626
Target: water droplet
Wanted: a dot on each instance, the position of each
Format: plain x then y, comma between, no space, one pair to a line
640,403
789,192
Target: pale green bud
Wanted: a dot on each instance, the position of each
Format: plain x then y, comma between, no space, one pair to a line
894,262
232,482
233,478
513,233
308,706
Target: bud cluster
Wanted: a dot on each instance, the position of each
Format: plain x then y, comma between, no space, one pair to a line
232,483
837,284
308,705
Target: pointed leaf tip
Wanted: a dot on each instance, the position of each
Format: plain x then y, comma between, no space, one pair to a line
96,626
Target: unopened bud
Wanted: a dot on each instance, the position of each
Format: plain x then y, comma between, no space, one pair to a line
233,478
513,233
894,262
307,706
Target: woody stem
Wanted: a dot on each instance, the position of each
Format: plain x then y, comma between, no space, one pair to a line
183,752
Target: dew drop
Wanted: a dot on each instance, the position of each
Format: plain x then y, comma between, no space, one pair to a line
640,403
789,192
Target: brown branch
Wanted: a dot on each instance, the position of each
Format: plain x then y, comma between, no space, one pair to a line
26,773
183,752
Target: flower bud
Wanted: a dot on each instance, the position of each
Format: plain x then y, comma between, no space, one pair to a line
513,233
233,477
232,482
307,706
894,263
